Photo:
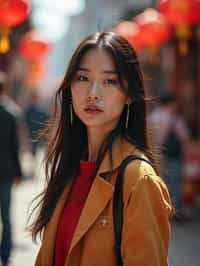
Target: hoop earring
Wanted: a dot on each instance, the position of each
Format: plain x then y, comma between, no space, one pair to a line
127,116
71,114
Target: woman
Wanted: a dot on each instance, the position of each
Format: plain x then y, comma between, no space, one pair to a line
101,120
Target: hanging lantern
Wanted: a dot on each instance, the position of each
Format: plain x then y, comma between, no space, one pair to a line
12,13
182,14
32,46
154,29
131,32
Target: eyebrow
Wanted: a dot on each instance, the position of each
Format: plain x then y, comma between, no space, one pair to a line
103,71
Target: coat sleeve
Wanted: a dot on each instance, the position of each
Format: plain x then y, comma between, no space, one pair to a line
146,230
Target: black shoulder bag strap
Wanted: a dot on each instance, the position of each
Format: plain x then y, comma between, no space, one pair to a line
118,205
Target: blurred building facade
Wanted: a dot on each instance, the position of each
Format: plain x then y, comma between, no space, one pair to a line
173,72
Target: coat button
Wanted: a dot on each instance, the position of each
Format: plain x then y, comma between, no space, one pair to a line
103,223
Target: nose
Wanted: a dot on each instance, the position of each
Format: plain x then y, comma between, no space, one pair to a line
94,92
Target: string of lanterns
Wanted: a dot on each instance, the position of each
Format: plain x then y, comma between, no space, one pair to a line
151,28
50,22
154,27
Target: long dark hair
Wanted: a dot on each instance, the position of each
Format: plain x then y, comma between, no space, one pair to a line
66,143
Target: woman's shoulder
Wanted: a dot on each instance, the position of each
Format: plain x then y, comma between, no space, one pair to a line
137,167
141,179
141,171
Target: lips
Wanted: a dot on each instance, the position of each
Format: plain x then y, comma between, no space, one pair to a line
92,109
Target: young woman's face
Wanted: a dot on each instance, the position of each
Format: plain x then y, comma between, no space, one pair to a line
97,97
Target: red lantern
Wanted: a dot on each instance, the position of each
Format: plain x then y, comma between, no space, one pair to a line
181,13
12,13
154,28
131,32
32,46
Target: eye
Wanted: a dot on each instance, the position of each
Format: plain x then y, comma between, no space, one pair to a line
111,82
82,78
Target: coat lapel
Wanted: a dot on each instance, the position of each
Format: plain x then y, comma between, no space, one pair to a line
120,150
100,194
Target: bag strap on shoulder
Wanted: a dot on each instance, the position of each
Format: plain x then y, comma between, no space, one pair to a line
118,205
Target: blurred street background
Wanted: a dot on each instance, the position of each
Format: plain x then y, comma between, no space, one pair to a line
37,39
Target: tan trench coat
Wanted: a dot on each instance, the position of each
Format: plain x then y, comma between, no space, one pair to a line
146,229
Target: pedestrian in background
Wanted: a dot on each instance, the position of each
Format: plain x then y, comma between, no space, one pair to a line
99,121
10,171
170,133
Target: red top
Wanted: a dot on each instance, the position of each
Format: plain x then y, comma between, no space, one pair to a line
72,211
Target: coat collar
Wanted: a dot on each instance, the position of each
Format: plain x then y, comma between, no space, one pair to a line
121,148
100,194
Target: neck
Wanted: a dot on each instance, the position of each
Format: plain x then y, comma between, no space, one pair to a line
95,140
96,136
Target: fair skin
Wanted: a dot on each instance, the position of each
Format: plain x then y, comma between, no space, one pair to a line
97,97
